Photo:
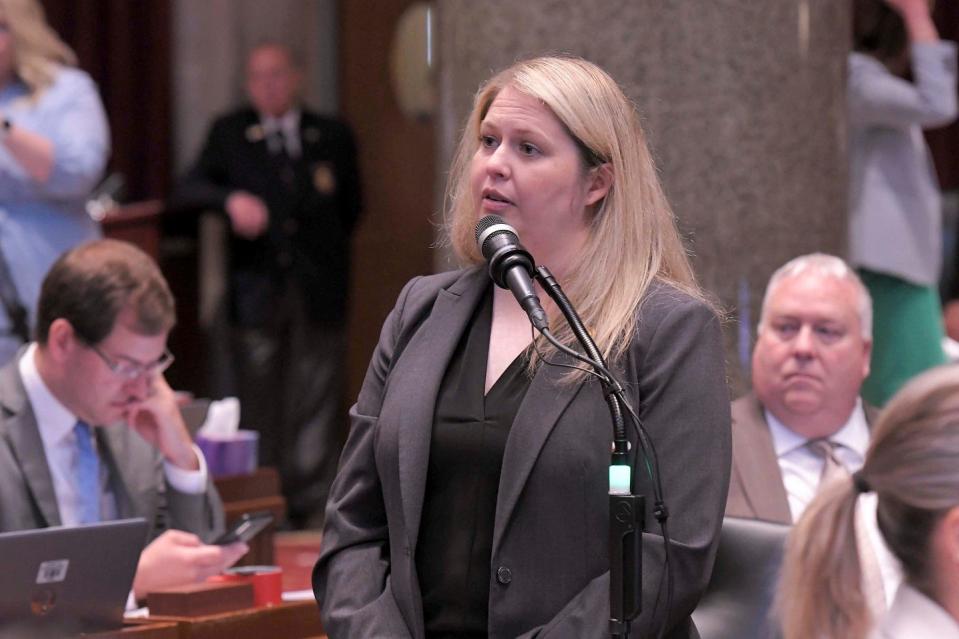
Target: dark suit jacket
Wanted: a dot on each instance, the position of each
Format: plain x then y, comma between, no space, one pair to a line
756,488
135,468
549,565
311,218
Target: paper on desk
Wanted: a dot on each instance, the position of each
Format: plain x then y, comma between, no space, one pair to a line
222,419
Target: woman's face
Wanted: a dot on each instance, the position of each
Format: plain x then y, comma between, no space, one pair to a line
528,170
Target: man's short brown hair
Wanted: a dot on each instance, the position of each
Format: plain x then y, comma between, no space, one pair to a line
91,284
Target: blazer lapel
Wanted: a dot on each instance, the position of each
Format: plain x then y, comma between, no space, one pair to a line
113,445
543,405
417,379
24,439
758,467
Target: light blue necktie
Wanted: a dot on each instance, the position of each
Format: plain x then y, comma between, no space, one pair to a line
88,475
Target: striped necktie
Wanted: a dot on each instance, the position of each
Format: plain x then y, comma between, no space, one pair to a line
87,475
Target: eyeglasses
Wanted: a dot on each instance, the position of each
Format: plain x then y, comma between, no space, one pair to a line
131,370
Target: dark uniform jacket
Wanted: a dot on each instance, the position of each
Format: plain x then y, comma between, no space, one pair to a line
314,202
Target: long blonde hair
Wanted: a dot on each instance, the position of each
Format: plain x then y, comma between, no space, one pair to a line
37,49
633,238
913,466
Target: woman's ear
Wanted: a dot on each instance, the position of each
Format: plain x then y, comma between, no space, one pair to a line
599,182
946,539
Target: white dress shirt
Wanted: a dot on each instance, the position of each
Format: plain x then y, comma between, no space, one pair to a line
55,423
801,468
288,125
915,616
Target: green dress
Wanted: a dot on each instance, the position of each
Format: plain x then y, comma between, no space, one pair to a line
907,334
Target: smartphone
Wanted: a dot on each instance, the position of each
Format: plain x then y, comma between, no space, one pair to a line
246,528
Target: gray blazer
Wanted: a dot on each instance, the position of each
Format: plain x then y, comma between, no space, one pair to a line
549,566
135,470
895,208
756,489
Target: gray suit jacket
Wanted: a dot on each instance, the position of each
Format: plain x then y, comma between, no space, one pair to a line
549,565
756,488
895,218
135,468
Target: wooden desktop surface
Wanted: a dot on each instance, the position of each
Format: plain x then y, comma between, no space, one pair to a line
296,620
140,630
295,552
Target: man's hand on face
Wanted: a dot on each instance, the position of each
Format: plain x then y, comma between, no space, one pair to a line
157,419
178,558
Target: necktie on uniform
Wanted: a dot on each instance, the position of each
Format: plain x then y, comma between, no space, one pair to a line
279,152
87,475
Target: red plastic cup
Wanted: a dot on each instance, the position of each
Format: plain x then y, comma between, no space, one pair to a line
267,582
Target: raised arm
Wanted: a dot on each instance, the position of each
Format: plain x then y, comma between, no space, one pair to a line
879,98
65,157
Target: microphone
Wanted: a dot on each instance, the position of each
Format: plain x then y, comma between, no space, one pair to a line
510,265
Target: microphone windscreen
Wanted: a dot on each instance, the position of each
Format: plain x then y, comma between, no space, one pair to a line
493,226
485,223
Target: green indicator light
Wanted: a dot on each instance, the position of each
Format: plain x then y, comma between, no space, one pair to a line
619,480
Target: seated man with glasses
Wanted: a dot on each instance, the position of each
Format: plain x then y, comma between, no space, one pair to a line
91,431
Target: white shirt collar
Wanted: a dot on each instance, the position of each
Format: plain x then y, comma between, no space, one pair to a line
54,420
854,434
289,122
912,614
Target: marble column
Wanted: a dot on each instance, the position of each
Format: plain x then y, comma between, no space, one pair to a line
743,102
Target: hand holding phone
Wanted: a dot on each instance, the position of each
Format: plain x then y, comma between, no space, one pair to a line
246,528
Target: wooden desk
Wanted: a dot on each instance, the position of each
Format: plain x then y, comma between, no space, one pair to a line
137,223
140,629
250,493
297,620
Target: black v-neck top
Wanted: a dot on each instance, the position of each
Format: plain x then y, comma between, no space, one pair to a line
455,541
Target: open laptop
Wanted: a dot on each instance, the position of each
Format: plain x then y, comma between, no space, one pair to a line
60,581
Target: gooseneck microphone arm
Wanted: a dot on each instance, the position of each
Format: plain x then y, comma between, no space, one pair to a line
626,510
610,386
511,266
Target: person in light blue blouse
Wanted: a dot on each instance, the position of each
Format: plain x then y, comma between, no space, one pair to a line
54,144
902,80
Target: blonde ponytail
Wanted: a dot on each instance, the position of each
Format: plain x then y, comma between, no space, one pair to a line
820,593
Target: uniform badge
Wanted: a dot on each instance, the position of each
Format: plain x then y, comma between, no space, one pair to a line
324,180
254,133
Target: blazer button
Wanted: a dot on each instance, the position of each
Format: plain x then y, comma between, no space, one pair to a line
504,575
